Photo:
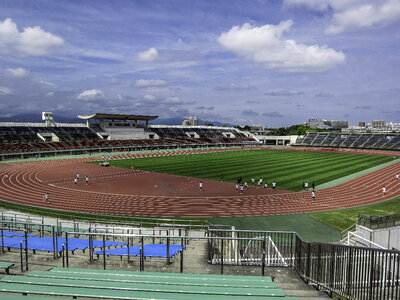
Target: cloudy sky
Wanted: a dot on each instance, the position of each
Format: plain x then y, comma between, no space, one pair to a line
268,62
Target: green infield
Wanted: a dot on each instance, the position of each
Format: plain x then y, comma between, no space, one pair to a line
288,168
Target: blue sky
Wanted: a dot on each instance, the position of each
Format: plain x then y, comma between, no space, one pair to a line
267,62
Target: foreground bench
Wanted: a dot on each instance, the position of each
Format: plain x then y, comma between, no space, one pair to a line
6,266
109,284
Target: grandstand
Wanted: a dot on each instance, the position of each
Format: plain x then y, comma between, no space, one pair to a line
390,141
106,133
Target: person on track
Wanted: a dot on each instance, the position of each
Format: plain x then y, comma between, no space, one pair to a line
46,197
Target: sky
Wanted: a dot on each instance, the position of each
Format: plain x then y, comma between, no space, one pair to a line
250,62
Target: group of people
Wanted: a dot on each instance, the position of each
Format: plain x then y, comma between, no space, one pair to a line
76,179
241,187
306,186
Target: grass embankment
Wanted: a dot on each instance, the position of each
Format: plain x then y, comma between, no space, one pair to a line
288,168
344,218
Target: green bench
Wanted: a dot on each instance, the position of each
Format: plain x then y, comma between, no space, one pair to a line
200,277
112,284
33,289
6,266
8,296
144,287
150,279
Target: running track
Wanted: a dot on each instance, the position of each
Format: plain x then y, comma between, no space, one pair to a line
25,186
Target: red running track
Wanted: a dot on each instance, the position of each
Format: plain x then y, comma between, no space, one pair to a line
130,192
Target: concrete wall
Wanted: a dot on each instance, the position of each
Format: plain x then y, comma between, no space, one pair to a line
277,140
386,237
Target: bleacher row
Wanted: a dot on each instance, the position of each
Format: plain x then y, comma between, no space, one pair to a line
353,140
22,139
111,284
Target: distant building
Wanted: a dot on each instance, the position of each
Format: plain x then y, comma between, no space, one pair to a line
379,124
191,122
326,124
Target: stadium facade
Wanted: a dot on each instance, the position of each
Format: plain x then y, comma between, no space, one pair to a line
108,132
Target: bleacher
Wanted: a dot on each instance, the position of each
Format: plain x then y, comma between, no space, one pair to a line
319,138
112,284
355,140
328,140
393,143
33,139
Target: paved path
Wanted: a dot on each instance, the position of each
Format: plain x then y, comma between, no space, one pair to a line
29,181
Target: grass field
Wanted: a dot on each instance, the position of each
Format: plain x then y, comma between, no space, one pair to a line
288,168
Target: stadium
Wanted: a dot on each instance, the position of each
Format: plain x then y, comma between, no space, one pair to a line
139,197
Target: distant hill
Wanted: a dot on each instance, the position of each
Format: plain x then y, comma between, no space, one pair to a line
37,118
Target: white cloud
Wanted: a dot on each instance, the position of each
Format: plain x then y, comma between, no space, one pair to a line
265,45
19,72
5,91
283,93
144,83
31,41
49,94
149,55
173,100
90,95
47,84
354,14
234,86
363,16
149,98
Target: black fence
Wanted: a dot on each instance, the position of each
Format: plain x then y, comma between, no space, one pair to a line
348,271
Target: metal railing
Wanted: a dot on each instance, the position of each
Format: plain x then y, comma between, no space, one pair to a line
248,250
349,271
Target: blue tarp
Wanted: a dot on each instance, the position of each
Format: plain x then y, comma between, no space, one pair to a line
46,243
151,250
11,234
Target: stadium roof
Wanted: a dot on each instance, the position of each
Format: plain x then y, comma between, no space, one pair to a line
117,117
